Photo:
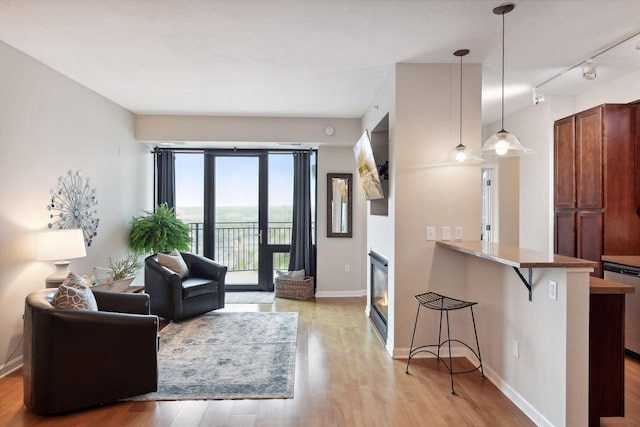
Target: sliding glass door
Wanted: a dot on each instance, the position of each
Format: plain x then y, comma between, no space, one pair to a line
236,216
239,207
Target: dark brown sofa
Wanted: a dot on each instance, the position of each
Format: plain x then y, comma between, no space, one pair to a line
174,298
75,359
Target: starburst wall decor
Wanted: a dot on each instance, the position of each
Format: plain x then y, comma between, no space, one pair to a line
73,205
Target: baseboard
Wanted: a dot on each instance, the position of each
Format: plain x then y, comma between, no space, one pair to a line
522,404
341,294
11,366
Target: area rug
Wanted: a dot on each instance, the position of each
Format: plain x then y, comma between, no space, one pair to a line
248,297
227,355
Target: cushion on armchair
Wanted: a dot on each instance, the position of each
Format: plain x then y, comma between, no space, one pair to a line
74,294
174,262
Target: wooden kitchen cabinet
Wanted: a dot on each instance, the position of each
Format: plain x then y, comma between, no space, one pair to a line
565,232
606,349
589,238
589,159
564,165
637,164
594,192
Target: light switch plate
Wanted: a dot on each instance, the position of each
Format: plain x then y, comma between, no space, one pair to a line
446,233
431,233
553,290
458,233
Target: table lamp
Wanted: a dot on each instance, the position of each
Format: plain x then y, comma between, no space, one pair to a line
60,246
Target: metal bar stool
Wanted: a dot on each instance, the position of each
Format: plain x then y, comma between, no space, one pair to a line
434,301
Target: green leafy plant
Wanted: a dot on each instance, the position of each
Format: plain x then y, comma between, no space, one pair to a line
158,231
125,267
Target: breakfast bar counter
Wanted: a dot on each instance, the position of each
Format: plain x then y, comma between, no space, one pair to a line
514,256
535,340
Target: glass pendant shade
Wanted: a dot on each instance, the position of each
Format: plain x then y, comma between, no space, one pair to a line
504,144
461,153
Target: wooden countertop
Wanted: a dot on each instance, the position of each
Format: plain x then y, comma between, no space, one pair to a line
601,286
514,256
631,260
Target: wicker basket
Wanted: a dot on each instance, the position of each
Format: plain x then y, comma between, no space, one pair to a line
294,289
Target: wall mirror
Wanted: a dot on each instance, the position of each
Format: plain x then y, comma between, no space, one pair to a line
339,204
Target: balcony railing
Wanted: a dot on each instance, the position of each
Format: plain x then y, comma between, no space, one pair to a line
236,243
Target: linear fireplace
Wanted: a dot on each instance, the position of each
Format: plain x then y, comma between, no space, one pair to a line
378,291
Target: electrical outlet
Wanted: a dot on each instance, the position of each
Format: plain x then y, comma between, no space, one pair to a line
446,233
431,233
516,349
553,290
347,268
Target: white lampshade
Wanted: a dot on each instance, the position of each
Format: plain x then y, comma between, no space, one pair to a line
60,246
64,244
504,144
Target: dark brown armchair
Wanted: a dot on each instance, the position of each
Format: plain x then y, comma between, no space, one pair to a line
177,299
75,359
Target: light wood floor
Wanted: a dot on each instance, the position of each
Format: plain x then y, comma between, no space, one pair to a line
344,377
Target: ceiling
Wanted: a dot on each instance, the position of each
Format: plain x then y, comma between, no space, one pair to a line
312,58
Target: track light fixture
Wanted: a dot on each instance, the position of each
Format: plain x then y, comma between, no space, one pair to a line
589,70
588,65
537,98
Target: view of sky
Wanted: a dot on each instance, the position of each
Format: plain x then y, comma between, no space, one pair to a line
236,180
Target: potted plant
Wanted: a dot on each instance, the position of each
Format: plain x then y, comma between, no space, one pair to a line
158,231
120,273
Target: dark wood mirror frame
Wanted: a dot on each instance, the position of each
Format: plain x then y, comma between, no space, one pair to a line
339,222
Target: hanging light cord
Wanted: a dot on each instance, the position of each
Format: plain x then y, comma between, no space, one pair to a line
460,99
502,126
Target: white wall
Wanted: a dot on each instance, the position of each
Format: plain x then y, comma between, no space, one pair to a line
247,129
422,102
49,125
335,253
381,229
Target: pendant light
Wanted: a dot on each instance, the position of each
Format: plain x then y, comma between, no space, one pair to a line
461,153
503,143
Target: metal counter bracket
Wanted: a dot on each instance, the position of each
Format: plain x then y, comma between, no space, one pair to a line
529,283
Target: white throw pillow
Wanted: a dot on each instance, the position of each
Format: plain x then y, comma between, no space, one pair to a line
291,275
282,274
297,275
174,262
74,294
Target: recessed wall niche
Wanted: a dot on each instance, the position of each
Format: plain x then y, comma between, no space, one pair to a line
380,148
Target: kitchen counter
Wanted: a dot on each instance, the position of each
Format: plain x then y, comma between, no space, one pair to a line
606,348
514,256
631,260
548,320
601,286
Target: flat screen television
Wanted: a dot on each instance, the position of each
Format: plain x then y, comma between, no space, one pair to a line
367,168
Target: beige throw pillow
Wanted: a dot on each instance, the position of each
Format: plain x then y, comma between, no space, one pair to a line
74,294
291,275
174,262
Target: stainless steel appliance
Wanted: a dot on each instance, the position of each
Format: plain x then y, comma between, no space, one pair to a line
628,275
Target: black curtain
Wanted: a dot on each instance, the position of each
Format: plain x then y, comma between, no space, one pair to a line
302,255
166,164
